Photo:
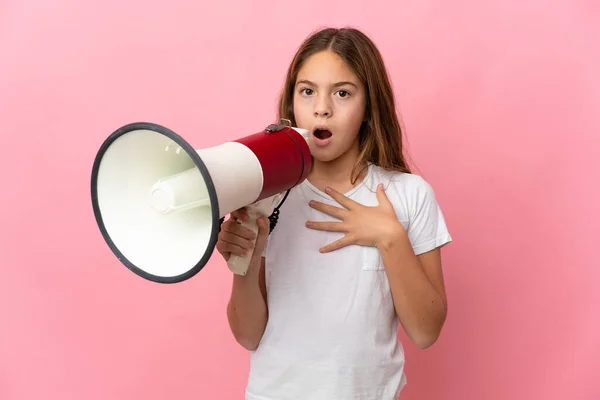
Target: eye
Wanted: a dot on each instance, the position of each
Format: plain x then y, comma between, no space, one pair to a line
306,91
343,93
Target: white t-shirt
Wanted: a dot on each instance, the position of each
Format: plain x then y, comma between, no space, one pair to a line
332,330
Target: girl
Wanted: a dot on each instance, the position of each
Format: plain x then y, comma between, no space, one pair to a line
356,250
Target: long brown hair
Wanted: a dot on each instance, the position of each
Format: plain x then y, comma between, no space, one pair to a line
380,137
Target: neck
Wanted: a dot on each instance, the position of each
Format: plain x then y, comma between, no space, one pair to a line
337,173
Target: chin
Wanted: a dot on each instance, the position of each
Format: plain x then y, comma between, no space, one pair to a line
324,156
322,159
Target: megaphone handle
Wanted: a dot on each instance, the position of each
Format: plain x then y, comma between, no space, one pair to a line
262,208
239,264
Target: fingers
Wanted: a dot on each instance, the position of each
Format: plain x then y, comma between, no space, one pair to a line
231,226
263,233
338,244
236,239
263,227
240,214
227,249
231,244
326,226
381,196
328,209
340,198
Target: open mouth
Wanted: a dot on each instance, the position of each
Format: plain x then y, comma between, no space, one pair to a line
322,134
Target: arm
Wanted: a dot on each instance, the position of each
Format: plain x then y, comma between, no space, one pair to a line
416,282
417,288
247,307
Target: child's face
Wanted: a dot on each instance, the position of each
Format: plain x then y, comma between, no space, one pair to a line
329,96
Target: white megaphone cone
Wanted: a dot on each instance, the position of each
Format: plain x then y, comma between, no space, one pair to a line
159,203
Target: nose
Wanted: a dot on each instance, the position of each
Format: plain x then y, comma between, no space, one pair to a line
323,107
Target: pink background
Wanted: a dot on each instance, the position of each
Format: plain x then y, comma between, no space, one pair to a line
501,101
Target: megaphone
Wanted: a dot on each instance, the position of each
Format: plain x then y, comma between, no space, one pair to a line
159,203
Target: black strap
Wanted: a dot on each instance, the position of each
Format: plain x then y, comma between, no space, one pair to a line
275,215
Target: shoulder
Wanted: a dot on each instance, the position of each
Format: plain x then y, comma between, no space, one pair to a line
416,206
401,179
408,188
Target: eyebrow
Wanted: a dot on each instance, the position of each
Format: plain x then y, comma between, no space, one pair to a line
337,84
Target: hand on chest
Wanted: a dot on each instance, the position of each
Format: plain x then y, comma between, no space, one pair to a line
333,233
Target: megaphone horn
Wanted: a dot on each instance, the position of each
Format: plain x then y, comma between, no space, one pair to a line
159,203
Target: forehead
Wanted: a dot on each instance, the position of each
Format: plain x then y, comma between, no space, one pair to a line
325,68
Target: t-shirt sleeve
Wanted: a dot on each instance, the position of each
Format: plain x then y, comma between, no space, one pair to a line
427,228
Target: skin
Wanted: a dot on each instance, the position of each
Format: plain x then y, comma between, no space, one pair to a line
329,94
322,98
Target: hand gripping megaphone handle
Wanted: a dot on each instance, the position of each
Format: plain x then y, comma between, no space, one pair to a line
262,208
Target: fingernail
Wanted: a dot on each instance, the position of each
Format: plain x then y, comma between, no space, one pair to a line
380,186
327,190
